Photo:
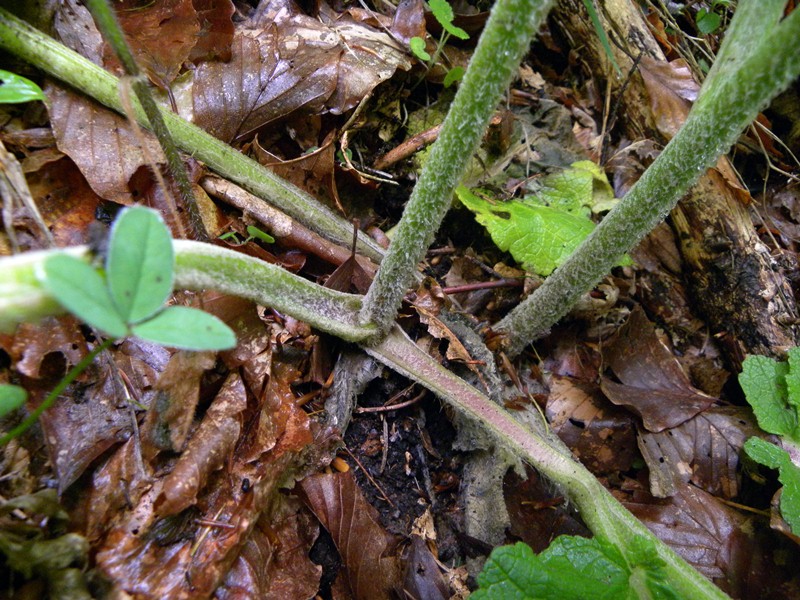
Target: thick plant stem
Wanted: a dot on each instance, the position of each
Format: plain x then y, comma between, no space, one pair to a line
740,88
604,515
505,39
112,32
198,266
57,60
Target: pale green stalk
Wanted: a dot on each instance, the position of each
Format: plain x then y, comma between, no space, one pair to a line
505,39
758,59
198,266
604,515
57,60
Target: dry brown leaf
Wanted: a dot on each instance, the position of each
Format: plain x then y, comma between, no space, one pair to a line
367,550
672,91
274,563
654,385
287,61
704,451
208,449
601,435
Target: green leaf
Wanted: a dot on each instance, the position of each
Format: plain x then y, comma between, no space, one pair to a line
453,75
11,398
15,88
444,14
187,328
82,291
417,45
707,22
140,263
773,457
764,383
541,231
573,568
793,380
255,232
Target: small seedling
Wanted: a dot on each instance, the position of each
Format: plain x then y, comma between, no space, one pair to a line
443,13
255,234
11,398
772,388
128,297
15,89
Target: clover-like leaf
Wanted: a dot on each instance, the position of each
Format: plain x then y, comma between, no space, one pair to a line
187,328
139,264
82,291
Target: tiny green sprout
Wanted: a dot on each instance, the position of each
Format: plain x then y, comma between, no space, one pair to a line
417,45
231,237
128,296
453,75
256,233
707,21
443,12
15,89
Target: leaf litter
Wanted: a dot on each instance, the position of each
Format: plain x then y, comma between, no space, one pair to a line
192,485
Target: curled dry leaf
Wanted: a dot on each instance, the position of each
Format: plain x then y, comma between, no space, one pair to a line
368,551
672,90
654,385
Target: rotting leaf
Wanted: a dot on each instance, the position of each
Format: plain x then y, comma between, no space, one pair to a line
654,385
207,450
672,91
367,550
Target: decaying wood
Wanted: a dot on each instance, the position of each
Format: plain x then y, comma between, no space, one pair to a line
736,284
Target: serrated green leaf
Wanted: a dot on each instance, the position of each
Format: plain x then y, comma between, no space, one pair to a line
581,189
15,88
140,263
82,291
573,568
764,383
187,328
417,45
773,457
443,12
11,398
793,379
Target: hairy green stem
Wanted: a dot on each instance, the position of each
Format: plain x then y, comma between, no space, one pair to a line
109,26
57,60
604,515
505,39
53,396
741,86
198,266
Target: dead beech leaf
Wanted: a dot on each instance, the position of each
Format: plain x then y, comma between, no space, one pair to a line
600,434
704,451
161,34
409,20
207,450
286,61
216,29
672,91
654,385
274,563
367,550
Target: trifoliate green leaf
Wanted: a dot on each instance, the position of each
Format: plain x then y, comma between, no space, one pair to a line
187,328
140,263
82,291
765,387
773,457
